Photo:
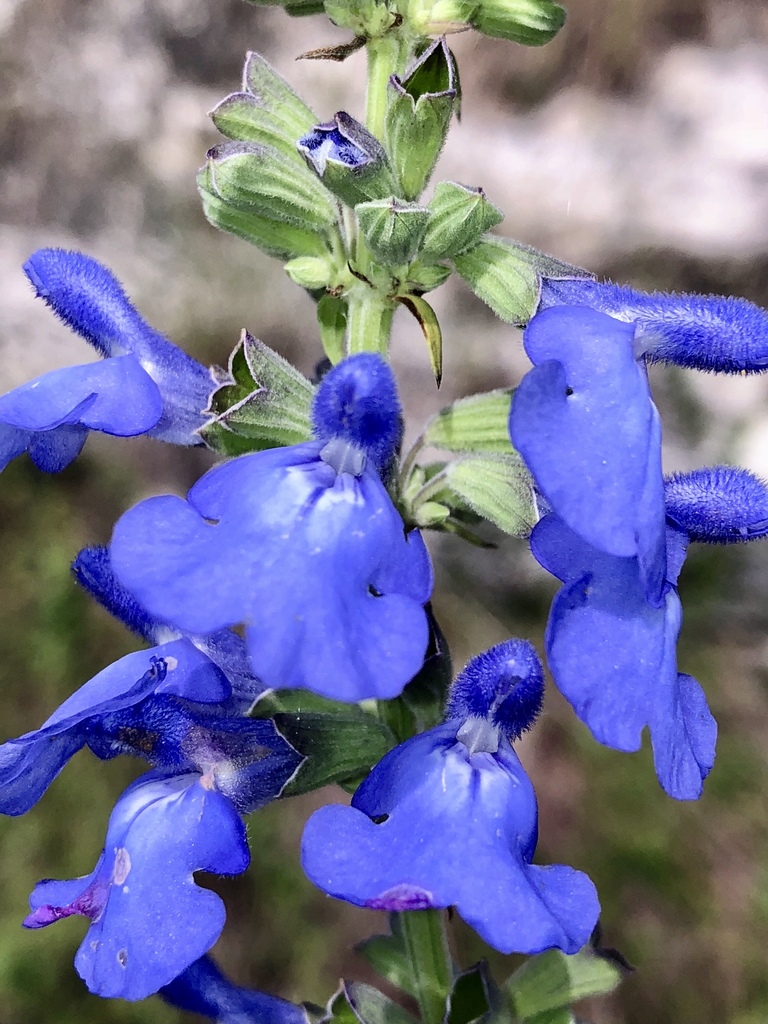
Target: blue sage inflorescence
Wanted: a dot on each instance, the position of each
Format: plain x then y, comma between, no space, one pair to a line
285,606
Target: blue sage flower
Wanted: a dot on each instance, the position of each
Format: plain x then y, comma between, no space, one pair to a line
705,332
612,652
92,569
203,989
584,421
144,384
149,920
349,161
449,818
303,544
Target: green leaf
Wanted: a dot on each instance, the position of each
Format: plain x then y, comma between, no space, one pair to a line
552,981
341,742
496,487
332,321
357,1003
265,404
426,693
388,956
474,997
479,423
430,328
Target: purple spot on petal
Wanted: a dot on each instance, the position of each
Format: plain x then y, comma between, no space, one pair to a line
402,897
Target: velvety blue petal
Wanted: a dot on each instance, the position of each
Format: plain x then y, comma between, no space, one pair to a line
612,655
247,759
13,442
504,685
584,422
683,739
53,450
149,920
90,300
705,332
480,808
203,989
355,627
607,650
357,402
29,765
113,395
718,505
93,570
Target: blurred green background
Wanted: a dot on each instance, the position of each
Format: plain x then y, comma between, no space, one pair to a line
636,144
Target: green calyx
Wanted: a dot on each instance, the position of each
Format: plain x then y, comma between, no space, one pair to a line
420,108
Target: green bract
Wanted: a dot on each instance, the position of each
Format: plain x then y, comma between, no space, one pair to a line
369,18
267,111
265,402
420,108
247,175
458,218
393,230
274,237
531,22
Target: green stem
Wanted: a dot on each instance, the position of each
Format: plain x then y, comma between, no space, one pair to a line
384,56
369,322
427,948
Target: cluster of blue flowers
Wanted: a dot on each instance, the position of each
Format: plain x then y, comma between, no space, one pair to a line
304,546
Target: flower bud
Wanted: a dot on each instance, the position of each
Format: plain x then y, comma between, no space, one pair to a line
349,161
392,229
246,175
531,22
370,18
418,116
310,272
459,217
266,110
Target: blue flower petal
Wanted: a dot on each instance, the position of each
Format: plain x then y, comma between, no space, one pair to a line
90,300
705,332
29,764
612,655
585,424
354,628
203,989
115,396
149,920
718,505
482,809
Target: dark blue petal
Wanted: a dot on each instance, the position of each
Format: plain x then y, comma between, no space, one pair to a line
705,332
149,920
357,402
53,450
718,505
504,685
90,300
203,989
585,424
612,655
29,764
92,569
316,563
482,809
247,759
